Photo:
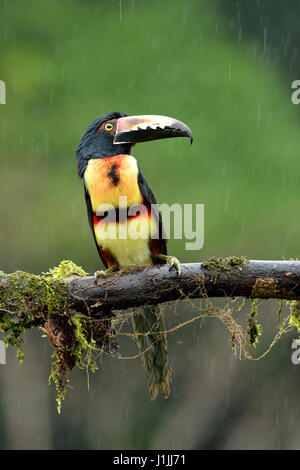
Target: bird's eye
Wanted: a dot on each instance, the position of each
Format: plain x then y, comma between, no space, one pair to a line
108,126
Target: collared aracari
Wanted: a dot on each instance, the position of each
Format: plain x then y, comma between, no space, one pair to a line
113,183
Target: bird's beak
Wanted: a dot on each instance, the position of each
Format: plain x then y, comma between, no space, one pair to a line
133,129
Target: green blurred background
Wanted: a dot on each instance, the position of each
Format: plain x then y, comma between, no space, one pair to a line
223,67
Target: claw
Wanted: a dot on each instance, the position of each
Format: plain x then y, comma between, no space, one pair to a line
174,263
98,274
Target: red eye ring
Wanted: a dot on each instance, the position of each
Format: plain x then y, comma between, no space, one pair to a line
107,126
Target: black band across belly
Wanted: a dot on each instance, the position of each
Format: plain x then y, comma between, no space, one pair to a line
122,215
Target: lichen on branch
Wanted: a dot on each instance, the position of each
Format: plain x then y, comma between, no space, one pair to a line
30,300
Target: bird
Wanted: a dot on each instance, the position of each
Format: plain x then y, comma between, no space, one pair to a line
120,203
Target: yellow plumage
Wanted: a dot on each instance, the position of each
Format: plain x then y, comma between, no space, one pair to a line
101,187
127,241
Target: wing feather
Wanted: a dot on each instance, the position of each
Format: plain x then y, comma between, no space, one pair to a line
150,199
105,257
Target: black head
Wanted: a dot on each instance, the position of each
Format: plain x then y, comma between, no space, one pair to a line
98,141
115,133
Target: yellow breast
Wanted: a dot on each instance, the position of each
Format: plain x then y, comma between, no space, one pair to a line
109,178
128,242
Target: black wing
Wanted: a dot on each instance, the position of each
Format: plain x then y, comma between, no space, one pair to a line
150,199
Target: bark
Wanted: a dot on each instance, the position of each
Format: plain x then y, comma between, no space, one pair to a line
156,284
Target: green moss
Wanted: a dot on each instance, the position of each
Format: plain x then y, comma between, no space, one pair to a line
85,345
30,300
254,330
26,300
80,353
239,308
229,264
279,312
56,377
66,269
294,319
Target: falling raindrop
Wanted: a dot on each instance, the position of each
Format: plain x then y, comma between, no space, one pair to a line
229,71
258,117
265,39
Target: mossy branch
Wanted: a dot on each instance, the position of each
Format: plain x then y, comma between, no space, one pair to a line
77,315
229,277
39,296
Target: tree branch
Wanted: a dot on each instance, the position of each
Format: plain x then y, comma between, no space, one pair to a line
152,284
215,278
76,314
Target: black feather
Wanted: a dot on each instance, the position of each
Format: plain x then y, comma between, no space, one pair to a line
91,220
150,199
98,145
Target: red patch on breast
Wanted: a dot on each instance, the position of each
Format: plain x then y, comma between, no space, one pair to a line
121,215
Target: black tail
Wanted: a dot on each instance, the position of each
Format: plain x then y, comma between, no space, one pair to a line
153,347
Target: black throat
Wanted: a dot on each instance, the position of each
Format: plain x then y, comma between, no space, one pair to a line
95,144
84,153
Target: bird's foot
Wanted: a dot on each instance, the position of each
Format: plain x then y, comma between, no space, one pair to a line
172,261
104,273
